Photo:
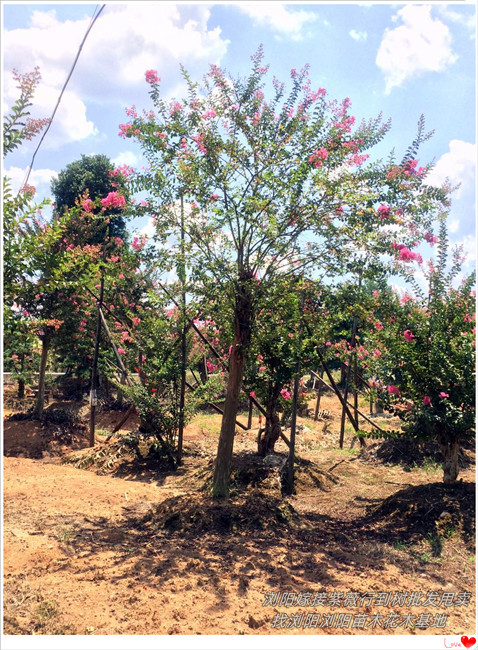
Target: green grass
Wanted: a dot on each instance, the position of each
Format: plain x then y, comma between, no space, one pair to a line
209,421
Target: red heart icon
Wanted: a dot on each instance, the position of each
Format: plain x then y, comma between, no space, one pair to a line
468,642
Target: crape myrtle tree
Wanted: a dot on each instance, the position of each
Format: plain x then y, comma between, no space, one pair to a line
18,127
19,213
424,355
124,264
265,177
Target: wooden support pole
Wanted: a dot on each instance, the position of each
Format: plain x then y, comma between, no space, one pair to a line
115,350
290,464
319,393
347,383
336,389
249,419
94,369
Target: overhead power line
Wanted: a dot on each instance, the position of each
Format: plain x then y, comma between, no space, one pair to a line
92,22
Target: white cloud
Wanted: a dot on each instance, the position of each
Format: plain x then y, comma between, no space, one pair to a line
126,158
458,165
290,23
468,243
420,44
453,225
358,36
126,40
468,21
39,178
148,230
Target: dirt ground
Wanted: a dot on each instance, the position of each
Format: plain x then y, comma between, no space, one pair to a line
116,547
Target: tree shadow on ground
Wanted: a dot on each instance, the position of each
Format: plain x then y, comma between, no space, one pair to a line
222,545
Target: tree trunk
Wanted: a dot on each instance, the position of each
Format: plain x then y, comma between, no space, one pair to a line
273,429
79,385
449,450
243,317
21,382
38,409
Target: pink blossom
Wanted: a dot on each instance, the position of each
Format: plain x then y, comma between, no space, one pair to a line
261,368
378,325
252,393
291,336
426,400
443,394
152,77
138,243
377,353
113,200
405,254
408,335
87,205
430,238
285,393
318,156
121,351
383,211
393,390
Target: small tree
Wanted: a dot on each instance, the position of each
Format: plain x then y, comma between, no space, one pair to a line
259,174
276,348
424,357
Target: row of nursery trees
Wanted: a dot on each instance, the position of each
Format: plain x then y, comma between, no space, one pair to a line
279,232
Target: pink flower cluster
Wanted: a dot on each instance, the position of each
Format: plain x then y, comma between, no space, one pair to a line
175,107
393,390
285,393
113,200
152,77
123,170
409,169
138,242
87,205
319,155
430,238
408,335
127,130
358,159
405,254
199,140
383,211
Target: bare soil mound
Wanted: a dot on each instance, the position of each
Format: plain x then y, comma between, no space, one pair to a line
413,453
58,432
426,512
254,512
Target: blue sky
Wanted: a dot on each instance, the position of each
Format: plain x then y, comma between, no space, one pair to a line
403,59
